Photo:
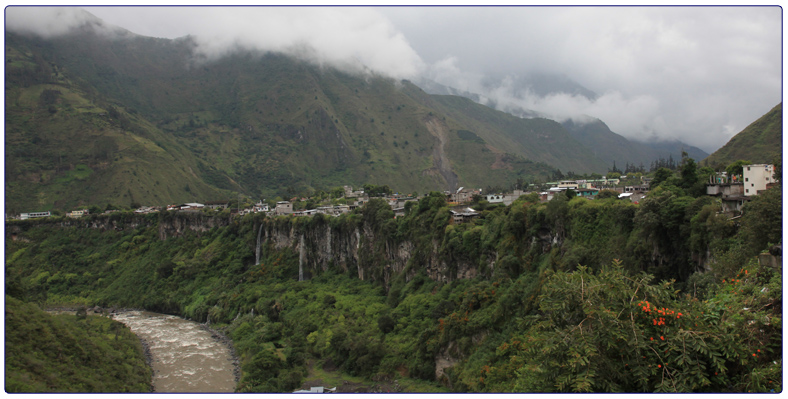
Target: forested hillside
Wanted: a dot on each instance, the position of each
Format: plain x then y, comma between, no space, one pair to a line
70,353
611,147
564,296
760,142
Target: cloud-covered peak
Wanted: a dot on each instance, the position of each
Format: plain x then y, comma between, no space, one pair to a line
355,38
349,38
50,22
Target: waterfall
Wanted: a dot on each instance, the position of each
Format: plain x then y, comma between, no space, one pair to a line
301,254
257,249
328,243
358,264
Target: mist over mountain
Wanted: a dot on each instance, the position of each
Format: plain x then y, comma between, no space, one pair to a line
539,84
135,120
591,132
274,118
610,146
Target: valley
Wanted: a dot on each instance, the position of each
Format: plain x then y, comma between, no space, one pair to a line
93,120
277,217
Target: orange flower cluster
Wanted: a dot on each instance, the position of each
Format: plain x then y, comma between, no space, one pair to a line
659,320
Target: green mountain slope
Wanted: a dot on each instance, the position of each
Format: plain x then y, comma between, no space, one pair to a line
132,119
610,146
537,139
65,353
760,142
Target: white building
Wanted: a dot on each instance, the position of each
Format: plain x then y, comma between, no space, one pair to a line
756,177
565,184
494,198
77,214
32,215
260,206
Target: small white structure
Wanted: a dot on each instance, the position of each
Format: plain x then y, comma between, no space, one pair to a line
494,198
77,214
756,177
260,207
317,390
192,205
306,212
32,215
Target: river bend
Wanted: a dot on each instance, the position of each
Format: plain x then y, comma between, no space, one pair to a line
185,357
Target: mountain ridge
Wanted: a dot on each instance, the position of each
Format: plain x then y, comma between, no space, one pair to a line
759,142
252,123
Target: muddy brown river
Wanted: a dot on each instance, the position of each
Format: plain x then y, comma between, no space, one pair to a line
186,357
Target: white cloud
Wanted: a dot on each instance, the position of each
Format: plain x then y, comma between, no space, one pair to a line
358,39
50,21
348,38
697,73
692,73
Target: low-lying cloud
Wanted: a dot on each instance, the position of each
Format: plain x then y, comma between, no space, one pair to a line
356,39
700,74
49,22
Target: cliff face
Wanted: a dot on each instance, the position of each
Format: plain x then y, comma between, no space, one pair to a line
354,245
369,244
373,256
174,225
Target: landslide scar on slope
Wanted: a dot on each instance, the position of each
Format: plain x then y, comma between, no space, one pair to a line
440,159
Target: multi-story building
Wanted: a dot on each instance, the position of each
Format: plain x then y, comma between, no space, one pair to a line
283,208
756,177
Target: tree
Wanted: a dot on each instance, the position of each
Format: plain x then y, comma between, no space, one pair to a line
762,220
662,175
337,192
737,168
607,193
778,168
377,191
613,175
614,332
689,173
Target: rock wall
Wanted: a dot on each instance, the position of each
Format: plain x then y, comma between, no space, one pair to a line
176,224
362,251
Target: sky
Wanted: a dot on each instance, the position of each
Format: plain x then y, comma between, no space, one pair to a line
697,74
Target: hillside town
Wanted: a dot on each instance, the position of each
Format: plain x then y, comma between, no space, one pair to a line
733,191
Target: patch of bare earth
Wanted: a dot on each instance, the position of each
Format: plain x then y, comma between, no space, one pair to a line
439,157
499,162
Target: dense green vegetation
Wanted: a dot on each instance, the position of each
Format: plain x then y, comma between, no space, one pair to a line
70,353
760,142
498,304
